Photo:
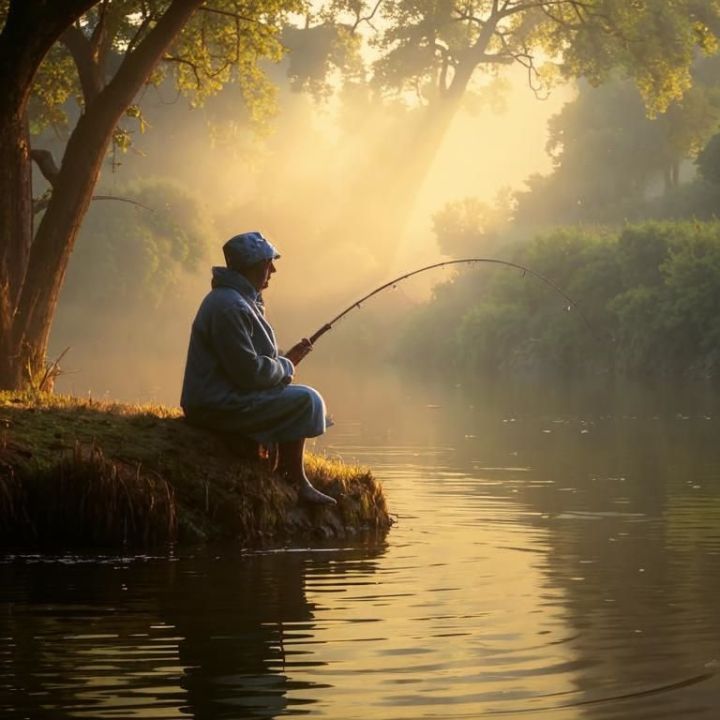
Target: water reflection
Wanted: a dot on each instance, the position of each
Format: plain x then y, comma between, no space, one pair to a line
554,557
209,636
622,500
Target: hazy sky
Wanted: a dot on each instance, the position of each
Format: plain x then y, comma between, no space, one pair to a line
485,152
289,186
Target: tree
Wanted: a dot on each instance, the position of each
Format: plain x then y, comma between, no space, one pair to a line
114,49
433,54
470,226
24,42
607,153
708,161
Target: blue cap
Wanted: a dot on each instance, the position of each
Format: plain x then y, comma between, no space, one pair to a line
247,249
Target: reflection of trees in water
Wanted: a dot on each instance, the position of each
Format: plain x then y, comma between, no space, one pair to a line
629,500
207,637
65,647
231,617
632,546
238,619
642,605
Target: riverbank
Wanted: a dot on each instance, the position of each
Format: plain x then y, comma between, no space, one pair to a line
83,472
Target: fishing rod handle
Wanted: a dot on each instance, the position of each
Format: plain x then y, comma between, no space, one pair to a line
319,333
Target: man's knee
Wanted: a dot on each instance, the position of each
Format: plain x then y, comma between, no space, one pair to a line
308,396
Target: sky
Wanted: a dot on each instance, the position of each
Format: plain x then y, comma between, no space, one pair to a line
485,152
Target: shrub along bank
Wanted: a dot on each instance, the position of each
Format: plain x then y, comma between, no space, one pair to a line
88,473
650,293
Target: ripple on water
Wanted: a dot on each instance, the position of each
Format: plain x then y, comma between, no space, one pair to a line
503,590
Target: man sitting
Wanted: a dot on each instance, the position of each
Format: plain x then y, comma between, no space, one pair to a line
235,379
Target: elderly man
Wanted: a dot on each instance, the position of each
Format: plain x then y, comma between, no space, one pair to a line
235,379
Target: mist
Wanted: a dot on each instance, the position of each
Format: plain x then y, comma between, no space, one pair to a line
308,181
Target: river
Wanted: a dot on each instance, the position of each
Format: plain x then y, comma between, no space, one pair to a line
555,555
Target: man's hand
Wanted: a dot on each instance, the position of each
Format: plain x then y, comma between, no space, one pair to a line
297,352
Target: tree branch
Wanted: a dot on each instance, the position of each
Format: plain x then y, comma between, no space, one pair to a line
365,19
122,199
235,16
81,51
497,59
527,60
39,204
183,61
139,32
99,34
46,162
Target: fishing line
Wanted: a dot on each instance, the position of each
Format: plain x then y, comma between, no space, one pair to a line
391,283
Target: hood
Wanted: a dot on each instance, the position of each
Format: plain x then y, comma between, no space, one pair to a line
225,277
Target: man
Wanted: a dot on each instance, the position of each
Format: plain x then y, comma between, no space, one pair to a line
235,379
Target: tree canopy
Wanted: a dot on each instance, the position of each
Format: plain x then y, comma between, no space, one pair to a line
432,47
222,44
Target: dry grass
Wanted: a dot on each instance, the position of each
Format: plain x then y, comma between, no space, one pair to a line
79,471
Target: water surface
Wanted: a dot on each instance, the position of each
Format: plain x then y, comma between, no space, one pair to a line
551,559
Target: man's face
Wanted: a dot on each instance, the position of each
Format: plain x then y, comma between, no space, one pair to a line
259,274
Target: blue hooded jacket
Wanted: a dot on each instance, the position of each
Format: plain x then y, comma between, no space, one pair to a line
233,353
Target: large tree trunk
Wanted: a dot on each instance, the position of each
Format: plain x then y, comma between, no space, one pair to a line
72,192
31,27
16,224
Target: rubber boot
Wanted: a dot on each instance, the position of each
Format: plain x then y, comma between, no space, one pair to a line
309,494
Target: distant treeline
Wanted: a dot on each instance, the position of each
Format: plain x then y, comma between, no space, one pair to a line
650,293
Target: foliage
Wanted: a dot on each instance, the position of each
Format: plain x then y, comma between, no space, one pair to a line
608,155
55,83
464,226
136,255
708,161
315,53
650,294
426,45
219,45
654,43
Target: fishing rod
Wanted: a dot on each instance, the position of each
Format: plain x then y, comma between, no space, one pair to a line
392,283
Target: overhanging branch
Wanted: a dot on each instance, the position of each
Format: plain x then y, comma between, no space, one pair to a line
39,204
46,162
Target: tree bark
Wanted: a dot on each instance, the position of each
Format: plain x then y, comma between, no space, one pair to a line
16,224
72,193
30,29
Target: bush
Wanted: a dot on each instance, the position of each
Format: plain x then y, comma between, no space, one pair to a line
648,297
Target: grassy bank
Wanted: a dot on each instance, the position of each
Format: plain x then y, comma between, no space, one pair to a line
90,473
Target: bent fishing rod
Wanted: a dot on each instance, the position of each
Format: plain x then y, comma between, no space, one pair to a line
392,283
